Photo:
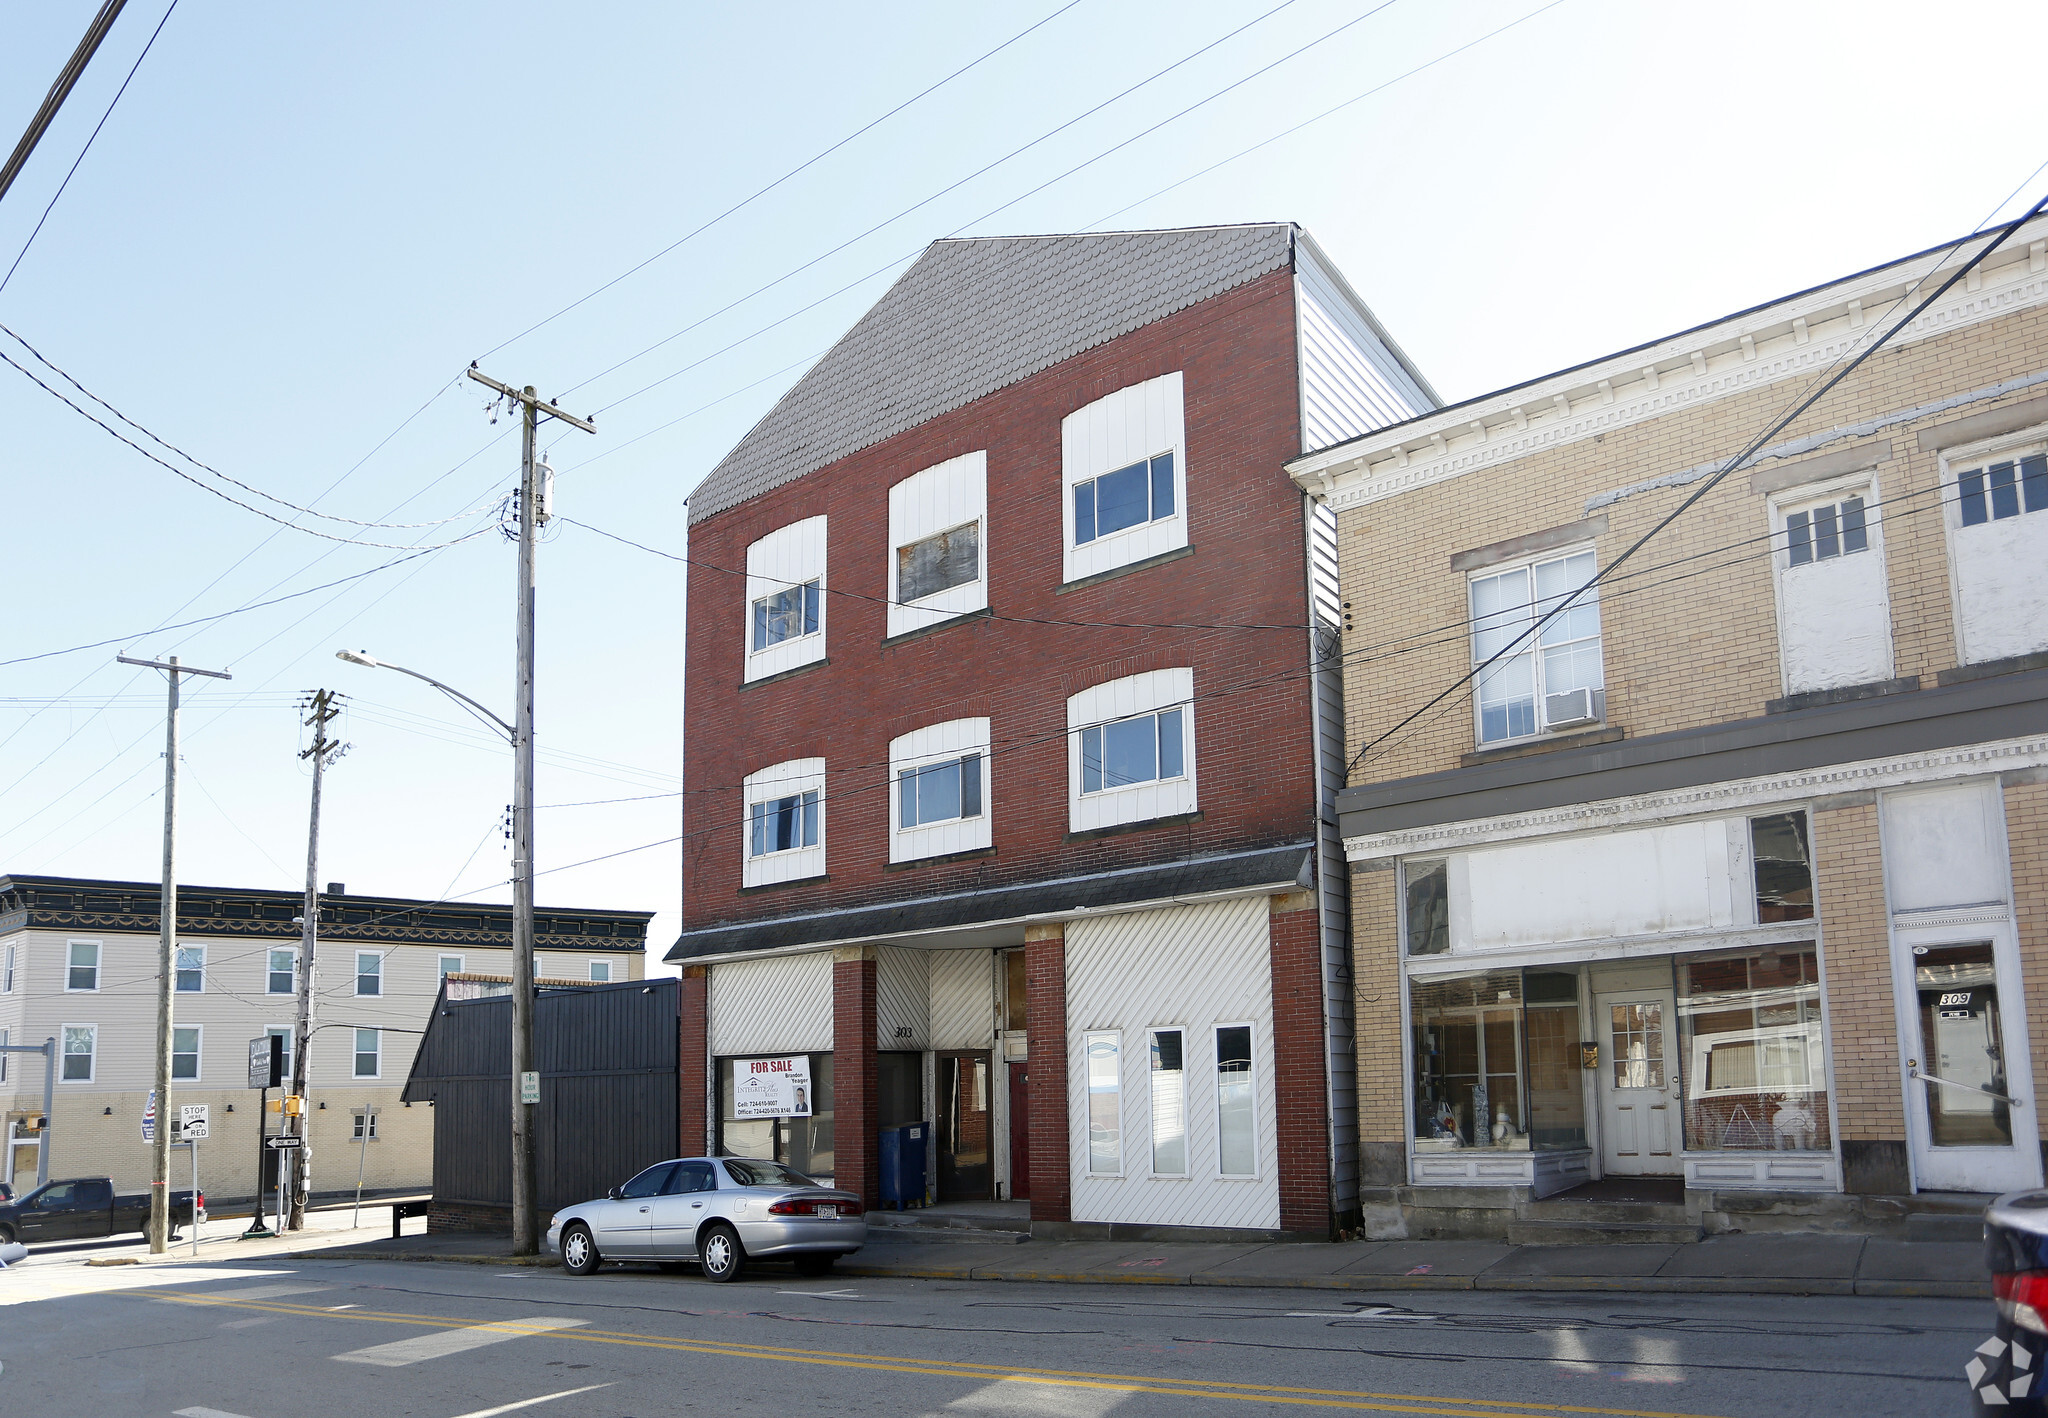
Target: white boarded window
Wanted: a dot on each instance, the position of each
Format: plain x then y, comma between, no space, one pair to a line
1125,461
1834,618
1997,518
940,783
1237,1151
783,838
1131,750
1103,1055
785,607
1554,679
1169,1104
938,543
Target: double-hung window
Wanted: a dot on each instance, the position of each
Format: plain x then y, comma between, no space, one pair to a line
84,970
1125,474
940,804
369,972
784,837
81,1048
1131,750
185,1053
283,974
938,540
2003,489
1834,614
369,1053
365,1126
786,613
284,1036
4,1039
191,969
1998,546
1553,679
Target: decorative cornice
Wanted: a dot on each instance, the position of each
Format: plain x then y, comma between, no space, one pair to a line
1948,917
1705,800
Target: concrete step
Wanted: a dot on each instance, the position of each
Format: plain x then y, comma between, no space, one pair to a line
1935,1226
945,1235
1527,1232
1947,1203
1600,1213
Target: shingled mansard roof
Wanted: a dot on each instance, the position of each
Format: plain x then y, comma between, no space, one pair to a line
971,317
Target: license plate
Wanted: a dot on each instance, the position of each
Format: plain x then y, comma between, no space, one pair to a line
826,1211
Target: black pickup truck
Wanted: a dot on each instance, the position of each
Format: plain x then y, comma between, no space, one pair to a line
84,1209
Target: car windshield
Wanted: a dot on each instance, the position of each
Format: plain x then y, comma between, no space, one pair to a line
765,1174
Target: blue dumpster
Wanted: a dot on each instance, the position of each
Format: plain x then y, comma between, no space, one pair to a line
903,1156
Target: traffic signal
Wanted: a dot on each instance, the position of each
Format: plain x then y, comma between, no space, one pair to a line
34,1122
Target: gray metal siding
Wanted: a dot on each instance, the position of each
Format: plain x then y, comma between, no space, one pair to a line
1352,381
1333,882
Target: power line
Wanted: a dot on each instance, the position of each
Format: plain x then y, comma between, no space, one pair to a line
60,89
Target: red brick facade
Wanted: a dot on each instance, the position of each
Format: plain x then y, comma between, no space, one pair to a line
1045,976
855,1117
693,1083
1300,1065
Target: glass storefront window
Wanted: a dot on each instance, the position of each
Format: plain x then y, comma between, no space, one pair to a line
1783,870
1557,1090
1467,1037
1429,907
1751,1047
1960,1033
802,1143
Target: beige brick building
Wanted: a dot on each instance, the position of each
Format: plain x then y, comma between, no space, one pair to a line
1723,887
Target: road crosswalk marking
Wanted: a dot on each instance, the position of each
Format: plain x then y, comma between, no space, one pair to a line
400,1352
196,1412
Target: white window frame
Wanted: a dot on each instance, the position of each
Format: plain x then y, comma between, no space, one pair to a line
606,977
92,1058
378,956
1126,698
6,1038
782,780
2027,526
289,1034
178,986
1789,581
7,970
1139,421
1187,1132
198,1052
921,748
1216,1085
269,969
941,498
1123,1122
442,964
357,1051
99,960
1532,646
363,1121
788,556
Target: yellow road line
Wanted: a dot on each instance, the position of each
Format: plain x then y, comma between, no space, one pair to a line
962,1369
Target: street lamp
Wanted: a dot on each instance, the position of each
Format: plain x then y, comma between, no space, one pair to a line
525,1227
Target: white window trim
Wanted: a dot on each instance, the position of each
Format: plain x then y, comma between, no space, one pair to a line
280,994
460,964
99,963
198,1053
1962,459
792,555
356,1050
1123,1122
1216,1099
175,971
366,1118
289,1033
608,979
7,968
6,1037
1187,1132
939,743
1138,421
938,499
1531,647
1804,498
781,780
92,1067
1126,698
379,956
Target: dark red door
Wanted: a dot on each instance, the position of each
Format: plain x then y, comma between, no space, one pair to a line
1020,1132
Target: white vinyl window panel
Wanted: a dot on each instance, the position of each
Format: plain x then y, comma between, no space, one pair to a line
1118,700
787,558
1141,421
766,788
949,497
1998,551
936,746
1834,610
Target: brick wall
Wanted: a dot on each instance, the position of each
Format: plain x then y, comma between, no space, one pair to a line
1382,1033
1045,984
1856,942
1300,1064
693,1061
2026,832
1252,748
856,1146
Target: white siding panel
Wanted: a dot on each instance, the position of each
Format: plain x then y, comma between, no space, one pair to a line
1191,967
1945,846
901,999
1351,383
1114,432
1686,876
948,495
963,984
2001,578
781,1005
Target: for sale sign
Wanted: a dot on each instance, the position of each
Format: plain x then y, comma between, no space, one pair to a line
772,1088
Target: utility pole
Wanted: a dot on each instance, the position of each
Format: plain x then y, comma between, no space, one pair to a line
323,752
166,958
533,511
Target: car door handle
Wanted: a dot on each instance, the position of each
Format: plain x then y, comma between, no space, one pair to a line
695,1204
643,1208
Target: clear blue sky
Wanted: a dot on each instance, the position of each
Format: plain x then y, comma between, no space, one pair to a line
302,221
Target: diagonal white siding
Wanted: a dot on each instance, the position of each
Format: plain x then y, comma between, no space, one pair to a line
963,984
781,1005
1193,967
902,1013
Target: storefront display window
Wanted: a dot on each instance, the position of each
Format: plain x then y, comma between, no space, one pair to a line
1784,873
1429,907
1468,1042
1557,1089
1750,1040
802,1143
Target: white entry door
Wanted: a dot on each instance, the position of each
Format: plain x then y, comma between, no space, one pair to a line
1974,1129
1639,1088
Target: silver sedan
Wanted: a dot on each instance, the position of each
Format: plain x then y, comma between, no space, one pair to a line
717,1211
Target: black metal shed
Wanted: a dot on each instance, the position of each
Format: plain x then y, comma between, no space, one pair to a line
607,1057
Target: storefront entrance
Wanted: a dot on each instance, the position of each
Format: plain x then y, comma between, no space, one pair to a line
1639,1083
1968,1113
965,1173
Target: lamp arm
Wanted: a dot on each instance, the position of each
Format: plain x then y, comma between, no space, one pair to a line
457,695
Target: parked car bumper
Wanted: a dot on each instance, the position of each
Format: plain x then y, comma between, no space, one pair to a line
814,1235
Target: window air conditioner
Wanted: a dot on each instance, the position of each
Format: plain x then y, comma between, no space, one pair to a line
1563,711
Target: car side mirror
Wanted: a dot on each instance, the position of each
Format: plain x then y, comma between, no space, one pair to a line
615,1194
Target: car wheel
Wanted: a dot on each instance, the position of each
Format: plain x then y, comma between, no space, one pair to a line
6,1235
579,1252
719,1253
814,1264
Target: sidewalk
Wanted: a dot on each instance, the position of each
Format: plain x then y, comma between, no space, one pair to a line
1776,1264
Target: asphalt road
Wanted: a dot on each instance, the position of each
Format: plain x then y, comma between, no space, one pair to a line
371,1339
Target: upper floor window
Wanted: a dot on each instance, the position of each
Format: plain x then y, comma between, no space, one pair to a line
191,969
1834,617
81,1051
1553,679
785,822
369,1053
1998,550
786,611
1131,750
284,972
1827,530
2003,489
941,774
7,972
450,965
938,543
84,971
1125,458
600,972
185,1053
369,973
